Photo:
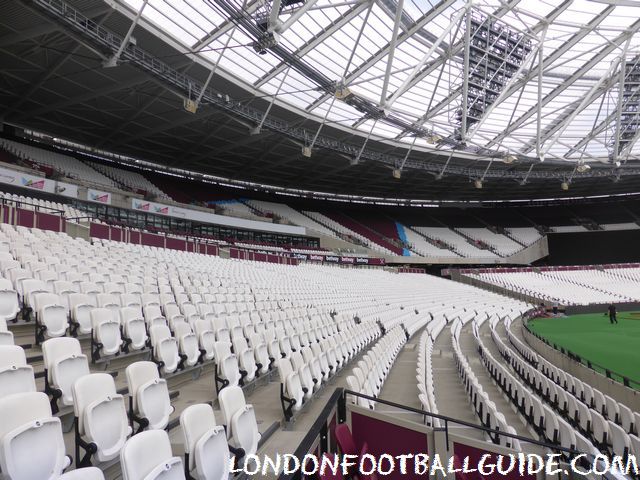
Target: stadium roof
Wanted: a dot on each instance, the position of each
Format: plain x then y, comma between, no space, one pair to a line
368,86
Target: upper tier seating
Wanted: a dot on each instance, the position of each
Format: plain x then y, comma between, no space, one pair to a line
66,165
569,287
420,245
501,244
293,216
525,235
132,180
459,243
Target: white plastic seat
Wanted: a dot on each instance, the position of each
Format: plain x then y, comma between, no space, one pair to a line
105,333
9,304
31,442
165,348
15,375
205,443
80,305
148,456
291,391
246,358
64,363
149,396
6,337
51,315
261,354
101,416
133,328
619,440
188,344
227,370
306,379
240,420
206,339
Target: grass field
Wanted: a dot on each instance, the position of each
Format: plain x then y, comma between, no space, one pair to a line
593,338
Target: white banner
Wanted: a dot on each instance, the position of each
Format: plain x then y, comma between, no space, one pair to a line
19,179
206,217
67,189
98,196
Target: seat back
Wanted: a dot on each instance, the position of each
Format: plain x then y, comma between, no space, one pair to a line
15,375
205,443
149,393
148,456
32,446
65,363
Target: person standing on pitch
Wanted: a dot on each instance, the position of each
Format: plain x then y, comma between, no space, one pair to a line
612,314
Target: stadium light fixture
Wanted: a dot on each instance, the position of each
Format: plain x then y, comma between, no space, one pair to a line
433,139
583,168
564,186
306,151
478,183
397,173
509,159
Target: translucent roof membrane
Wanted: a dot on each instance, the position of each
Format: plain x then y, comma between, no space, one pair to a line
569,114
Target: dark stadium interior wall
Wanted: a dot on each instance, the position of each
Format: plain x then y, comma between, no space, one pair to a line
586,248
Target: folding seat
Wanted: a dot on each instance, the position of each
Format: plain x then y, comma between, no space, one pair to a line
600,430
206,339
551,427
205,444
619,440
149,403
15,375
106,336
221,330
153,316
148,456
133,328
91,290
285,345
64,363
240,420
130,300
310,354
149,299
31,442
51,316
165,348
88,473
625,418
261,353
599,403
572,409
30,288
304,372
227,370
246,358
188,345
113,288
567,434
584,418
6,337
612,409
292,393
101,423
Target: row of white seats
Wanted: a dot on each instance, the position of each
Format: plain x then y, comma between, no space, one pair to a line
302,373
573,415
369,376
483,406
610,424
424,369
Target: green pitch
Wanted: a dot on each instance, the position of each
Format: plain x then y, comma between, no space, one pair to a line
593,338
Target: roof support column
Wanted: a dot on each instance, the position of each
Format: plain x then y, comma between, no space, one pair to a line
113,61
